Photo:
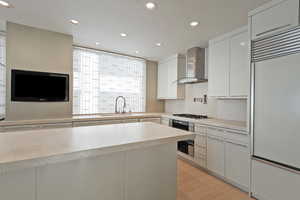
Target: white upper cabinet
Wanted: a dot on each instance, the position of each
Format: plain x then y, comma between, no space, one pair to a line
274,16
239,65
218,68
228,66
169,72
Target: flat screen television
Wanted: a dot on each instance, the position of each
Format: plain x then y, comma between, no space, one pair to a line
39,86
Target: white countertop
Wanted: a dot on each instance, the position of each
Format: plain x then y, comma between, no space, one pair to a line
49,143
229,124
82,118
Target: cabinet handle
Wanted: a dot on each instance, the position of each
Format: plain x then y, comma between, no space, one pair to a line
273,29
236,143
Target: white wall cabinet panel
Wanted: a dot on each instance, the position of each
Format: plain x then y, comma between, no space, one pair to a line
239,65
229,64
215,155
272,183
130,120
162,80
35,127
18,185
237,163
154,120
83,179
218,68
273,17
169,72
143,171
96,123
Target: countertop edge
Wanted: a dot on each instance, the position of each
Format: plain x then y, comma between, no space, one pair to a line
65,157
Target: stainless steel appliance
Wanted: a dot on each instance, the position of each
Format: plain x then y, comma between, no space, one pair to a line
191,116
186,146
195,66
275,97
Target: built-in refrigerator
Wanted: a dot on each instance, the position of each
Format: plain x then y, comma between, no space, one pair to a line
275,99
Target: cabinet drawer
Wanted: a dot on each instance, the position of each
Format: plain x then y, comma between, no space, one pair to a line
200,161
200,140
130,120
237,137
215,132
200,151
154,120
275,18
35,127
96,123
200,129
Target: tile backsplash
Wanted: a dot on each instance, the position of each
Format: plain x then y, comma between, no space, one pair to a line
222,109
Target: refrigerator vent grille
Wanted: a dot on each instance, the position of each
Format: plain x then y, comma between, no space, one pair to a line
280,44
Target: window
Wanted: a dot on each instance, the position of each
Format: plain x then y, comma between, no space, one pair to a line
2,76
100,77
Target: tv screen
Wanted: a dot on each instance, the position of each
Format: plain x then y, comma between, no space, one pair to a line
39,86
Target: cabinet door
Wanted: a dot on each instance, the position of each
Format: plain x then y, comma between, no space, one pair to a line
165,121
154,120
239,65
215,155
237,164
96,123
218,68
130,120
172,78
277,17
162,81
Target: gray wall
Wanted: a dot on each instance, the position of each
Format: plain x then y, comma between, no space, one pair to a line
38,50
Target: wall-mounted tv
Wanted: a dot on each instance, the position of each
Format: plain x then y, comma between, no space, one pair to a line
39,86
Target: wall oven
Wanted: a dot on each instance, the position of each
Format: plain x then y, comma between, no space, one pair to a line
186,146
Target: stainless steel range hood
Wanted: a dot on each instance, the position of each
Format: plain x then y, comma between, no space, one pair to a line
195,66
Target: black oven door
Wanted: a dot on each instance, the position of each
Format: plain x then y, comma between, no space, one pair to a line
186,146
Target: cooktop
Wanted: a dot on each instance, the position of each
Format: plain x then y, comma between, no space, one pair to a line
191,116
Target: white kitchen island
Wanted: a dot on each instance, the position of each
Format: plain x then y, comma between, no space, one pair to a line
111,162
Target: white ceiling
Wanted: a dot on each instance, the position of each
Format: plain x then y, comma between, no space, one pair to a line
103,20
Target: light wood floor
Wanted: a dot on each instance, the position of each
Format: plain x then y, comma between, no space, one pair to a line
195,184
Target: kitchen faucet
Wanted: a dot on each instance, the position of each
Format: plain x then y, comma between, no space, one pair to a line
116,104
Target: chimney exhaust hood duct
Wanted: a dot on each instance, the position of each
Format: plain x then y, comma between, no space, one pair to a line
195,66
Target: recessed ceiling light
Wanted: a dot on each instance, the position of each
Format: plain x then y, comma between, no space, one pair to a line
194,23
123,34
4,3
150,6
243,43
73,21
158,44
137,52
97,43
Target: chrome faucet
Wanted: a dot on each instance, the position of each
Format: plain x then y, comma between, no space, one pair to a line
116,104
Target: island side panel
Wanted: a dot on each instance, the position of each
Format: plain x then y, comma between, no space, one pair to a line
93,178
151,173
145,173
18,184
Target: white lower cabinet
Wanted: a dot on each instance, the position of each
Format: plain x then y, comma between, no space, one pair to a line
237,164
215,155
130,121
228,156
35,127
165,121
154,120
96,123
